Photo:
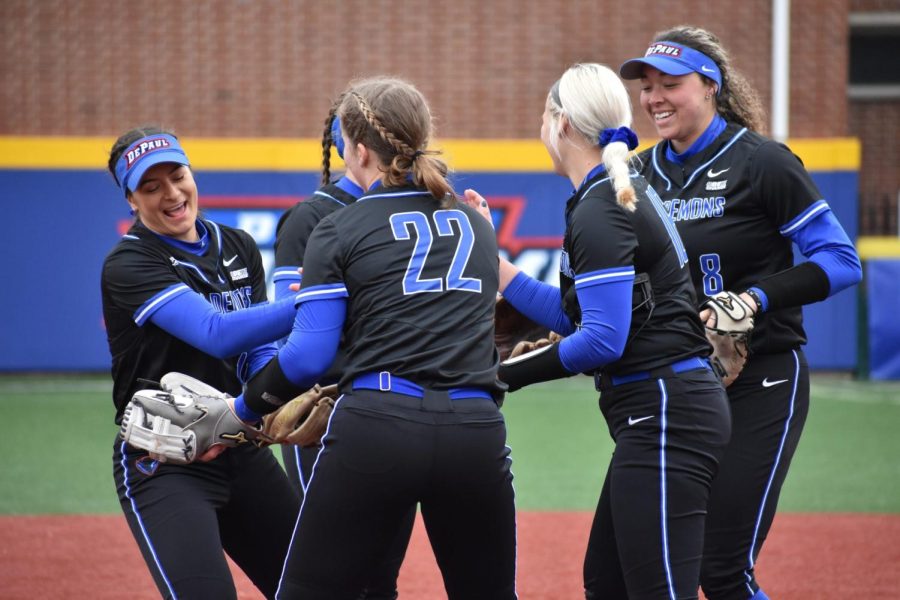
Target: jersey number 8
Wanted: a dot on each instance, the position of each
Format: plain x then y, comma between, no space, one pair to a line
443,219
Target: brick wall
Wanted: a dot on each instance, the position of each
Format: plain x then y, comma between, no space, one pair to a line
269,68
266,68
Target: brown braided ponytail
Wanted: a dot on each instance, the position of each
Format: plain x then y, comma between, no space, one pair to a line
391,118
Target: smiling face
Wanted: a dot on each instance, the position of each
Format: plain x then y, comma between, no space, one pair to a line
166,201
677,105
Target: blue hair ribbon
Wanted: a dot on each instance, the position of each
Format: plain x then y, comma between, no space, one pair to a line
622,134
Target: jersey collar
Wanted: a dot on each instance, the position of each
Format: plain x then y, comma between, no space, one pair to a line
716,127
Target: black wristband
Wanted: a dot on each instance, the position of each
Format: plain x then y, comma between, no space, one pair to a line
269,389
800,285
533,367
756,298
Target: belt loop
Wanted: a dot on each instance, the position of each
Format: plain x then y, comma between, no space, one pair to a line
384,381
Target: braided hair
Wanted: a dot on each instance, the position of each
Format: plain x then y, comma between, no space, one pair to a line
392,119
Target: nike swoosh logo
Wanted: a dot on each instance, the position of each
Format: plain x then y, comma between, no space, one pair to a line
706,69
632,420
712,173
228,262
767,383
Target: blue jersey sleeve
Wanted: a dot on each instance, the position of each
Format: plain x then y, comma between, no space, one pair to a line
605,322
822,240
538,301
313,343
189,317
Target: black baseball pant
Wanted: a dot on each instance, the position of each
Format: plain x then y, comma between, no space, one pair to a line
298,463
769,405
382,454
182,516
647,537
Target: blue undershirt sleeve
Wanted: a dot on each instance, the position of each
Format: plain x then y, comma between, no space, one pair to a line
260,357
540,302
605,322
823,241
313,343
192,319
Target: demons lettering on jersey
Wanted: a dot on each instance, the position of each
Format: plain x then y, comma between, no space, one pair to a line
143,148
689,209
231,300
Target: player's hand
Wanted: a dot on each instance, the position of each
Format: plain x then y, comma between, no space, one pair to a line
477,201
295,287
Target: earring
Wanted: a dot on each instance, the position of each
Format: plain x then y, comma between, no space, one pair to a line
708,96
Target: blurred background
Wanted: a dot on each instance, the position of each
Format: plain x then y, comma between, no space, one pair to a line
247,85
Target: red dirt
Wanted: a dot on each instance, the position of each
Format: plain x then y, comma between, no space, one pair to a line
815,556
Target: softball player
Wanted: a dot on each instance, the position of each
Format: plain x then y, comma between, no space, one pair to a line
739,200
185,294
409,277
291,238
626,303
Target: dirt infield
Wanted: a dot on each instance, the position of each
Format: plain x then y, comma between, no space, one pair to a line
816,557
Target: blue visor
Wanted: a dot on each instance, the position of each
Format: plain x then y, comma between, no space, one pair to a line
673,59
143,154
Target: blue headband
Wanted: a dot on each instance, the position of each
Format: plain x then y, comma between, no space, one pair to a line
336,137
145,153
673,59
622,134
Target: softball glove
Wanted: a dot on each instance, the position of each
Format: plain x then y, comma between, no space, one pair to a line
728,329
511,328
303,420
183,420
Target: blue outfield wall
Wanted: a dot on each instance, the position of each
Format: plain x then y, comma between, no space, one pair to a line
61,223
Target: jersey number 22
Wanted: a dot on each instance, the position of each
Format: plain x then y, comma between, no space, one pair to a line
403,224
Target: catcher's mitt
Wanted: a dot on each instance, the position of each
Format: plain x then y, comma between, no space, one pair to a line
303,420
728,326
512,327
183,420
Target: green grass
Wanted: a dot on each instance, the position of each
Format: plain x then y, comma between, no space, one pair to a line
56,436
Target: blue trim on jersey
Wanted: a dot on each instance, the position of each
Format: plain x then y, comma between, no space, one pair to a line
584,280
313,344
137,515
715,128
822,240
762,503
192,319
605,322
394,195
763,298
540,302
128,236
656,167
724,149
218,233
322,292
192,266
601,168
322,194
152,305
287,272
759,595
349,186
811,211
664,500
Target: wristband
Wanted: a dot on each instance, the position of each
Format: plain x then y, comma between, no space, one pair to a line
754,293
